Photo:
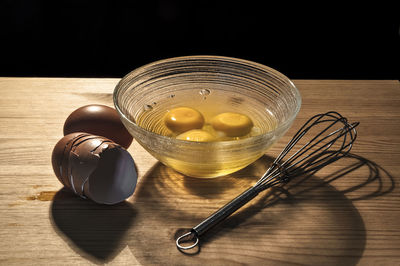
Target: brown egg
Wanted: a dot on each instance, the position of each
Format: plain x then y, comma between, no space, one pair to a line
98,120
94,167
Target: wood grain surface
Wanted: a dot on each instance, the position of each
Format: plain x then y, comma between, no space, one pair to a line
346,214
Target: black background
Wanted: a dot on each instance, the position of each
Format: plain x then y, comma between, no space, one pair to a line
102,38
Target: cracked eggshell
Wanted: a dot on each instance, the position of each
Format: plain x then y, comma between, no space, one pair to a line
94,167
98,120
57,157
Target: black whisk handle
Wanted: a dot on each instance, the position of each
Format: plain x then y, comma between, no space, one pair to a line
215,218
225,211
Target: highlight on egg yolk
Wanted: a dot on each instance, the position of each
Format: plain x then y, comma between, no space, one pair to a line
182,119
196,135
232,124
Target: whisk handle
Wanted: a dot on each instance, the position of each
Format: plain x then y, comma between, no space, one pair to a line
225,211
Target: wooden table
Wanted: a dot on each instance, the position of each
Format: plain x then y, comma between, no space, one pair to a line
346,214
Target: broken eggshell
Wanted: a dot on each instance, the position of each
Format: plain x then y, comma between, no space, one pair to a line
94,167
98,120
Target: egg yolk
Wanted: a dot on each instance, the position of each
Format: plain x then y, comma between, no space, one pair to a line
182,119
232,124
196,135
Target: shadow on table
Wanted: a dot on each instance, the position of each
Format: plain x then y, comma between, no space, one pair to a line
312,220
315,221
377,178
92,230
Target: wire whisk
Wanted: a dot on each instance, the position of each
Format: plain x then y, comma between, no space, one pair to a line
323,139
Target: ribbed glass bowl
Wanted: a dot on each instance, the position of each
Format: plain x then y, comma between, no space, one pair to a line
213,84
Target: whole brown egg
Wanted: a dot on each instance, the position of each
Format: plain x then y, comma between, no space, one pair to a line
98,120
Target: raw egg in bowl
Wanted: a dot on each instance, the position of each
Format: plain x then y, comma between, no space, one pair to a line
206,116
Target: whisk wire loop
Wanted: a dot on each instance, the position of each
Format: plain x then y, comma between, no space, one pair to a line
318,156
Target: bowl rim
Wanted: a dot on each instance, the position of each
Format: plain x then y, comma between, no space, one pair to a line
252,139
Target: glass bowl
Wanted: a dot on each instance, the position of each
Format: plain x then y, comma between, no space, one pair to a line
213,84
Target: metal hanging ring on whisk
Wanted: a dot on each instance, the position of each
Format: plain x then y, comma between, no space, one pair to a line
323,139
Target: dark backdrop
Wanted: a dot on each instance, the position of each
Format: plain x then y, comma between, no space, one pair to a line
78,38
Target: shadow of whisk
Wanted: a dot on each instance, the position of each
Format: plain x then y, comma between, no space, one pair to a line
312,187
376,173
